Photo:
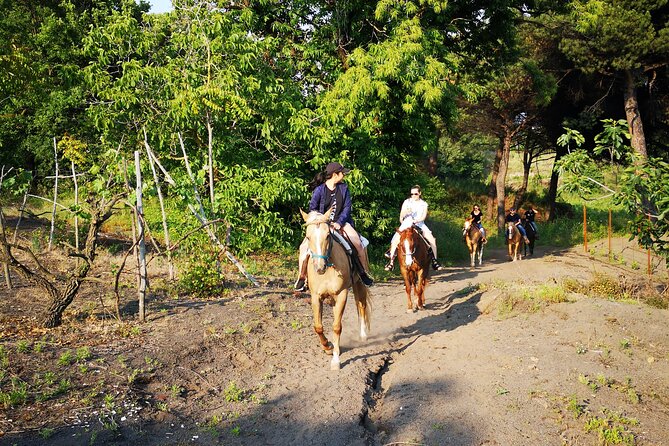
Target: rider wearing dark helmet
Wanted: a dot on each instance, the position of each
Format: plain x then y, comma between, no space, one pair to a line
514,218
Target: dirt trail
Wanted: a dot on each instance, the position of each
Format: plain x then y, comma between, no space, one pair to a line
454,374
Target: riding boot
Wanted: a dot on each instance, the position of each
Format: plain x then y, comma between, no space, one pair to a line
301,284
435,264
357,265
390,265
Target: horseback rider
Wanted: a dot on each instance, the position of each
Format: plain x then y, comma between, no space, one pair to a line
529,216
476,216
413,213
330,191
514,218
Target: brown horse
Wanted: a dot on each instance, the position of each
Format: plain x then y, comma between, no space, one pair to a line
330,275
515,241
474,240
415,266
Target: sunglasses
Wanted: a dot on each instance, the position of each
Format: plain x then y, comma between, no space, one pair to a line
414,194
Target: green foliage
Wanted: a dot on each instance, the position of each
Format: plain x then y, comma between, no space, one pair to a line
233,393
202,276
601,41
644,192
612,139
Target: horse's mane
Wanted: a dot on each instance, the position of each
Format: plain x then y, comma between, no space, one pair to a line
316,217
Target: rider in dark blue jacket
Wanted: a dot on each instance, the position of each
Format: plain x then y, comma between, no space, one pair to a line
514,218
331,192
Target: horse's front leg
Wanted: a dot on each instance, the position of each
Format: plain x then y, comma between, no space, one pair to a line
407,289
339,307
472,255
420,290
317,307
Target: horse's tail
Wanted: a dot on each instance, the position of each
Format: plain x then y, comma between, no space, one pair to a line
363,300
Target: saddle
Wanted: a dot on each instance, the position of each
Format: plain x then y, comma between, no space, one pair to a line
354,260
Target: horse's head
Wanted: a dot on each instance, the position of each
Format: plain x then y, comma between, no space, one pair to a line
407,247
468,223
318,236
511,226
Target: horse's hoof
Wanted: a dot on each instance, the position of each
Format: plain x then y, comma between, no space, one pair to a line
421,307
335,366
410,310
363,338
328,348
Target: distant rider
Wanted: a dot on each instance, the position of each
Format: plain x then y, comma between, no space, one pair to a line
476,216
530,215
514,218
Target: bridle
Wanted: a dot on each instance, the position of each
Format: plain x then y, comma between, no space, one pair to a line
317,255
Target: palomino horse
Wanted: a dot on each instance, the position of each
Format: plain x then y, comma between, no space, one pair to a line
330,275
415,266
474,240
531,236
514,240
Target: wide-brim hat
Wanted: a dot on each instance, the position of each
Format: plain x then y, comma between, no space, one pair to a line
335,168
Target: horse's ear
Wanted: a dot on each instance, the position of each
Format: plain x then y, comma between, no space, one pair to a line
329,211
305,216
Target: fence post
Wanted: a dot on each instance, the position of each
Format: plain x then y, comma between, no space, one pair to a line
650,270
55,194
585,229
142,247
610,231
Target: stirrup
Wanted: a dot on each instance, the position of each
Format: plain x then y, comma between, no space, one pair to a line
366,279
389,266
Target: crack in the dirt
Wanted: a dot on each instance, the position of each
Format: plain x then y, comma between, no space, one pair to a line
374,392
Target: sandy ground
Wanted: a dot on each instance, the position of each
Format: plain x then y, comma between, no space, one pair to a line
249,371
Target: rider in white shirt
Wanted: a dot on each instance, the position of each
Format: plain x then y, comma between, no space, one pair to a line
413,213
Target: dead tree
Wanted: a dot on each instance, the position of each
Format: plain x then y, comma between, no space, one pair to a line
60,289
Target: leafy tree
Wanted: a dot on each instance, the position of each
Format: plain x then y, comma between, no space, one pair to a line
597,38
642,189
41,89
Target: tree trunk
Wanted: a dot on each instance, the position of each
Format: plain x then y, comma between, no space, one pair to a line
60,301
551,197
492,188
527,165
638,139
501,181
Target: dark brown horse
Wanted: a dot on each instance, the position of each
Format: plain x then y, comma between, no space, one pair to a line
474,240
415,266
531,236
330,275
515,241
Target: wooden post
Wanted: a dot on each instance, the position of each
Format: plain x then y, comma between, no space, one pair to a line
76,205
133,219
55,194
610,232
142,246
5,266
585,230
650,270
166,232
